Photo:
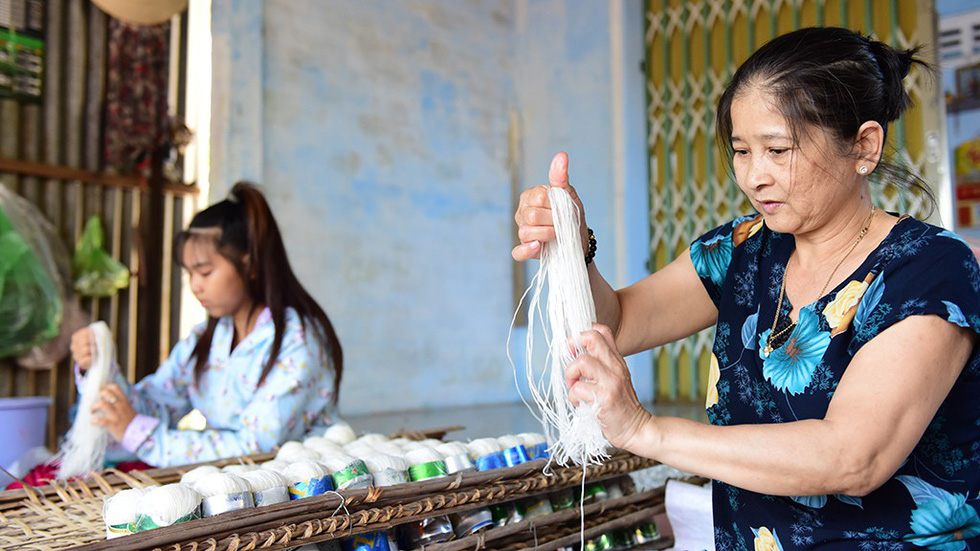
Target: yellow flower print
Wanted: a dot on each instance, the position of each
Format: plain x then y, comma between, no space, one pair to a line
766,540
713,375
746,230
840,311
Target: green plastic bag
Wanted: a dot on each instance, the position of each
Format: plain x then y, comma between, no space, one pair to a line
96,273
30,305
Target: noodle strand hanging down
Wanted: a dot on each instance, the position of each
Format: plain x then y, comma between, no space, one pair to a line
574,433
85,445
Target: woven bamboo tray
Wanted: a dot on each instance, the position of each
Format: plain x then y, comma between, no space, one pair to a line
71,516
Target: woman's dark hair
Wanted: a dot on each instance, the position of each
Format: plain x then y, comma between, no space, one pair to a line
829,78
247,235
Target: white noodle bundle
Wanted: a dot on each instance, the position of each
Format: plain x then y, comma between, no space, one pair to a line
571,311
85,445
341,433
192,476
119,512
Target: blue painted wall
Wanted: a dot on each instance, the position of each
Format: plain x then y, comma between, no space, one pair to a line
382,133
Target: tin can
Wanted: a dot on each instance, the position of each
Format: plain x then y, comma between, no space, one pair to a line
426,532
506,513
595,492
424,471
624,539
312,487
603,542
562,499
536,506
490,461
613,490
538,451
369,541
146,522
459,463
117,530
354,475
515,456
215,505
471,522
270,496
390,477
646,532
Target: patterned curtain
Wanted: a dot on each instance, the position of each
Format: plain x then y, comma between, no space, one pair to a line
136,94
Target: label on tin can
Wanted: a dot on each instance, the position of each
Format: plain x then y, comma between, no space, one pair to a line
515,456
270,496
489,461
117,530
562,499
471,522
506,513
424,471
459,463
595,492
215,505
602,543
352,476
646,532
369,541
390,477
146,522
539,451
426,532
312,487
536,506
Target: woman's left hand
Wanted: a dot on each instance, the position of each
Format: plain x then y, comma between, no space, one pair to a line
116,411
600,376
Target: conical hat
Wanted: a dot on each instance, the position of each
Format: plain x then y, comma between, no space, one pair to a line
142,12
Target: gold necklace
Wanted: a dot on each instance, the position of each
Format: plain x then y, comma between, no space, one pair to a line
773,336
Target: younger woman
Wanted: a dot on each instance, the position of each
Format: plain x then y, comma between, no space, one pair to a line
263,369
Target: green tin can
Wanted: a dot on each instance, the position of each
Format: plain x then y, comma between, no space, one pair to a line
604,542
354,475
423,471
562,499
646,532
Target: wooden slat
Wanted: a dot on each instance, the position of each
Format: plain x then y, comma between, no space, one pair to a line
60,172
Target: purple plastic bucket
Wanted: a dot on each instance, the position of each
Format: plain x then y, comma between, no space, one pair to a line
23,425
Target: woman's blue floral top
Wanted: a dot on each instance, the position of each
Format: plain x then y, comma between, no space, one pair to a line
918,270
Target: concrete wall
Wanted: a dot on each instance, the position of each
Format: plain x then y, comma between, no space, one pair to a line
389,137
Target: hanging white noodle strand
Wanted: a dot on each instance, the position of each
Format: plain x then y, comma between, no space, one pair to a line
575,431
85,446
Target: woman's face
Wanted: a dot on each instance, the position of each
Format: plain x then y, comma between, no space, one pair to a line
798,187
214,280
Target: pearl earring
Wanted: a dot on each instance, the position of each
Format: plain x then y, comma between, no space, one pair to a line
863,170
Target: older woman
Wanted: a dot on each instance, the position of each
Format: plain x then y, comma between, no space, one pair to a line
845,367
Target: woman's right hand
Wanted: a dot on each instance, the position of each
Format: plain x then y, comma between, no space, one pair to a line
81,348
535,224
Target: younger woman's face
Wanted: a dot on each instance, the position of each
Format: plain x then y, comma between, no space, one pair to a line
214,280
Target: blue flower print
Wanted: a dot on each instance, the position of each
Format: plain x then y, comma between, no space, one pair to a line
748,330
869,301
951,235
790,367
941,520
712,257
955,314
817,502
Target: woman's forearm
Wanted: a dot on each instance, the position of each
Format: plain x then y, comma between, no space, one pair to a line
791,459
607,308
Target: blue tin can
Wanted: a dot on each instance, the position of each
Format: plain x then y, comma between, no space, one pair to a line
490,461
515,456
369,541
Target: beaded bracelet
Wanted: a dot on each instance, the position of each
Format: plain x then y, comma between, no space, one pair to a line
589,256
